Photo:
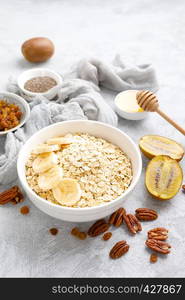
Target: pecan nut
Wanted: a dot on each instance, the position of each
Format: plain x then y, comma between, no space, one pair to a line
119,249
132,223
98,228
146,214
13,195
158,233
107,236
158,246
116,218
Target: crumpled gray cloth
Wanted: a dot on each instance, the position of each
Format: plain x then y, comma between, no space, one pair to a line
87,96
119,75
79,98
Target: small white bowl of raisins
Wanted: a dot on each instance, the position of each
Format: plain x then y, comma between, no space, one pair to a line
14,112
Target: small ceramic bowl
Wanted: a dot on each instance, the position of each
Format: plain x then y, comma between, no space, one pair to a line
26,75
125,114
95,128
23,105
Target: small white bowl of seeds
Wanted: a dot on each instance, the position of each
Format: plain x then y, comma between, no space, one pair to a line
40,81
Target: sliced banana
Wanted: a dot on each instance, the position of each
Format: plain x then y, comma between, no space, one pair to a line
68,192
60,141
51,178
43,148
44,162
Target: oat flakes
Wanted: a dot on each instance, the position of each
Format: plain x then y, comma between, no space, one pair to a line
102,169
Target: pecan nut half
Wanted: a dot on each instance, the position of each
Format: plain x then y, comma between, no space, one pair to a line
116,218
146,214
13,195
107,236
132,223
158,246
119,249
158,233
98,228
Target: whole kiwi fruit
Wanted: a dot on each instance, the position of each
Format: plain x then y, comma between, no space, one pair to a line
38,49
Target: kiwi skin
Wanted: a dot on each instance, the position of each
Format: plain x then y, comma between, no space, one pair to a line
158,198
38,49
150,156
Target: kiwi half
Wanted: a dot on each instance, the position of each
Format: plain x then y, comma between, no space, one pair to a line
153,145
163,177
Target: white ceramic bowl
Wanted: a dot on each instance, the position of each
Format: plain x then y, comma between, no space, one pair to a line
125,114
23,105
98,129
26,75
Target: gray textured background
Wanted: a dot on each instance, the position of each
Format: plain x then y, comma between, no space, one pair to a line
142,31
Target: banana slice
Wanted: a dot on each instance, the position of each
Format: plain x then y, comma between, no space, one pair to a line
43,148
44,162
68,192
60,141
51,178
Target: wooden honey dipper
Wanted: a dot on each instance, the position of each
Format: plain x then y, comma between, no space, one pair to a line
148,102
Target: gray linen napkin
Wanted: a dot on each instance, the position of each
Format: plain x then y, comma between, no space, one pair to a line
119,75
79,98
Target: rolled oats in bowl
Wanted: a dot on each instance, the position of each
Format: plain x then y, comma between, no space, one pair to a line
78,170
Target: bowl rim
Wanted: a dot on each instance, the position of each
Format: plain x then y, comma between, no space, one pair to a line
47,71
26,113
26,187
